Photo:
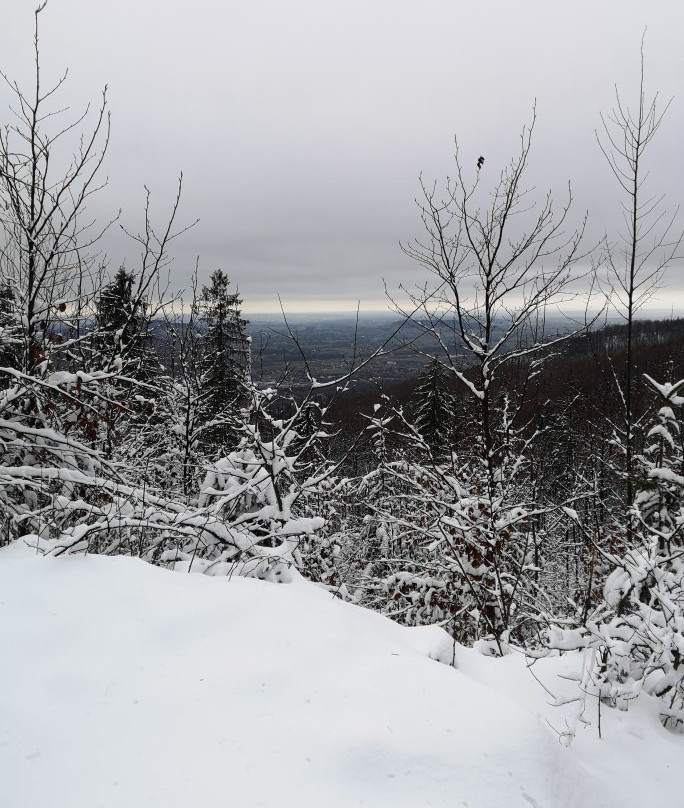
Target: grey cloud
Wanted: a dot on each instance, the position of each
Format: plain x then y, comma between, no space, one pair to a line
301,127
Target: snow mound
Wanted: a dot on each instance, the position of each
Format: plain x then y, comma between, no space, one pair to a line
122,684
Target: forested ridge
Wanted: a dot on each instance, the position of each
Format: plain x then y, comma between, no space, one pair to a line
525,491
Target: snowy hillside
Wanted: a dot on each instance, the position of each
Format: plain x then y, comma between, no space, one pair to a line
122,684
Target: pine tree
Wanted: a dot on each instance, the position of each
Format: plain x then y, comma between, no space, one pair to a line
122,337
121,348
225,363
436,408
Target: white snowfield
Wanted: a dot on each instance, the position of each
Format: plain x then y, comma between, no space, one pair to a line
126,685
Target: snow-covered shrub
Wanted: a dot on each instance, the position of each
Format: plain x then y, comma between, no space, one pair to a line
636,635
260,491
438,543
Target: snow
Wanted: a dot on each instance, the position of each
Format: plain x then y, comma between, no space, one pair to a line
635,762
666,475
123,684
668,390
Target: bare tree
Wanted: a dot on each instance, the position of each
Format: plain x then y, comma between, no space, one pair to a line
45,254
497,268
636,260
58,391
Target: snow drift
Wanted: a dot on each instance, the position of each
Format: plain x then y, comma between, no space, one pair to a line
123,684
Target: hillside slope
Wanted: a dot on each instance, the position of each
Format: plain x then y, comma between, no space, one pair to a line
122,684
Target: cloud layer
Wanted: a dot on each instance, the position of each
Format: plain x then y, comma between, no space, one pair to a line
302,127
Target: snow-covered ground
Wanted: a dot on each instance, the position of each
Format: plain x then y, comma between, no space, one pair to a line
126,685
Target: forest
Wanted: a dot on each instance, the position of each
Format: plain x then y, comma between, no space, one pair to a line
525,491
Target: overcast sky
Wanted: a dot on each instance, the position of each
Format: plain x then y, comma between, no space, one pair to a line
301,126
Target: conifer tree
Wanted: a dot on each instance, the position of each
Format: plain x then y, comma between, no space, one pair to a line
121,344
225,363
436,408
122,335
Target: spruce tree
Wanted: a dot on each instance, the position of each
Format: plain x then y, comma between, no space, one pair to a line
435,408
122,337
225,363
121,343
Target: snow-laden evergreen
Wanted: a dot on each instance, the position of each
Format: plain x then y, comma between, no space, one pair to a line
635,638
